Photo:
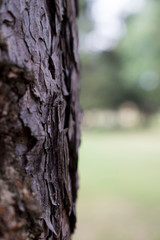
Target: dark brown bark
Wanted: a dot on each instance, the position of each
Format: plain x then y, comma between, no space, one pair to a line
39,118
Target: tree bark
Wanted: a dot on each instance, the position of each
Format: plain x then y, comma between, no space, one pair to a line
39,118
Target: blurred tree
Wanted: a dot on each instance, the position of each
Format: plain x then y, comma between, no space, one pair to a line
131,71
100,72
140,57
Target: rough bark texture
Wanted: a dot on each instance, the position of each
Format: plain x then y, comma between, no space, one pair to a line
39,118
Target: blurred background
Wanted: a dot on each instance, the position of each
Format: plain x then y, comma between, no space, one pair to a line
119,166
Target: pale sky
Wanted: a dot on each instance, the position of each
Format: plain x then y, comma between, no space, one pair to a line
109,25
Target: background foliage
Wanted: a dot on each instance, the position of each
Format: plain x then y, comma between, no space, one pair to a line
130,72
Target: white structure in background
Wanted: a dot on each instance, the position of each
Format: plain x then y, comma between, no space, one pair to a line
109,22
127,116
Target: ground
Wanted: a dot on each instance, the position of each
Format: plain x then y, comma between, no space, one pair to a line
119,197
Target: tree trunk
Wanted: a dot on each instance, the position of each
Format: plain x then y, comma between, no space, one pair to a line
39,118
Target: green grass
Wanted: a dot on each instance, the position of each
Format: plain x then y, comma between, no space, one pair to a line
119,196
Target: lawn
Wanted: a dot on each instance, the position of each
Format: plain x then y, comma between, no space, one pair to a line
119,196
